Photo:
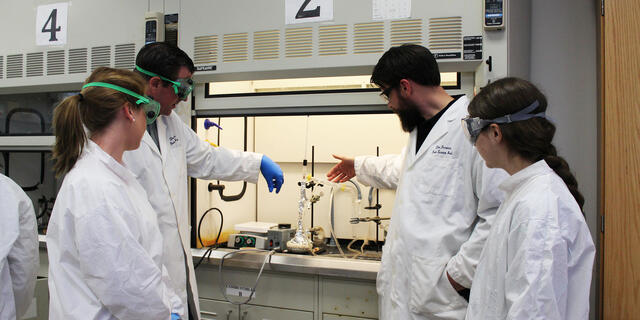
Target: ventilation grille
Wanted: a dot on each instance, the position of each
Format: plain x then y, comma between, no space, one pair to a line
266,45
445,33
205,49
100,57
35,64
1,67
406,31
368,37
235,47
299,42
333,40
55,62
125,57
14,66
78,60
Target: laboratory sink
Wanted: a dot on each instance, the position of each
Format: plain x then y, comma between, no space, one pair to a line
332,251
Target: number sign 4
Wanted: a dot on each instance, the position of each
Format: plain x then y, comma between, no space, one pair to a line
51,24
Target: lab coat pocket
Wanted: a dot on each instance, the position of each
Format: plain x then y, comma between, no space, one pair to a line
442,176
431,292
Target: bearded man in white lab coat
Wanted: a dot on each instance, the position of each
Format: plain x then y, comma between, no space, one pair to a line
170,151
445,200
19,260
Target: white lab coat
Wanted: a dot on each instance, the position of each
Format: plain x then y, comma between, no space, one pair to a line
105,247
539,255
163,173
446,198
19,258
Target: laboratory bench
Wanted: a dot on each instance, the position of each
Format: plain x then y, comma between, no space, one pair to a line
292,287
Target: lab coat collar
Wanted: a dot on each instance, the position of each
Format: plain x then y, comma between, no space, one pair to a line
93,149
513,182
440,128
146,138
161,123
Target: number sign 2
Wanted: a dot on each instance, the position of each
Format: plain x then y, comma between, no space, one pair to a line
301,11
51,24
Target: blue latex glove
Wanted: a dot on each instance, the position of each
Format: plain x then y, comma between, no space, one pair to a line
175,316
272,173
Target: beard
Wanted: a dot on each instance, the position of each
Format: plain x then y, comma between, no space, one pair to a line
409,115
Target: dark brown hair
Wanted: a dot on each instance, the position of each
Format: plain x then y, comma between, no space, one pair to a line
408,61
530,139
94,108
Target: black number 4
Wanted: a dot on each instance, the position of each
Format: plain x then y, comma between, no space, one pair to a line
309,13
53,29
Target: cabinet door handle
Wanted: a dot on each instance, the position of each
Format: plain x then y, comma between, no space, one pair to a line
229,312
244,315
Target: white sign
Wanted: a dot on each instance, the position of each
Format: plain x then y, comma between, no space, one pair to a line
239,291
301,11
51,24
391,9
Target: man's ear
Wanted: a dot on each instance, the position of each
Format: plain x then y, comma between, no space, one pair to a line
155,82
405,87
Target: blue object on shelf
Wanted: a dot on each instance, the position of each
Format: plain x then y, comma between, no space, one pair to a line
208,124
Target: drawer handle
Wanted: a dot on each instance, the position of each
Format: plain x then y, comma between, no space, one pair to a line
206,313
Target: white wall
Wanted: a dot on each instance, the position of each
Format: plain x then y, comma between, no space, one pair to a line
563,65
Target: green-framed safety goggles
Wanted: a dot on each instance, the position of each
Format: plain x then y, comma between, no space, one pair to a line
151,107
181,87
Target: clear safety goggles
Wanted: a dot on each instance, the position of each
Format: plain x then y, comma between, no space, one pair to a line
473,126
151,107
181,87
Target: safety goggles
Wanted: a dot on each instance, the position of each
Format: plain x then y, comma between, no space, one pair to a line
151,107
473,126
181,87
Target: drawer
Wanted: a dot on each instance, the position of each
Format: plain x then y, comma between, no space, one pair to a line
355,298
249,312
282,290
339,317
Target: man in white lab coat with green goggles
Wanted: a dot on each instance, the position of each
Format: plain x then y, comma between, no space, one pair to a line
170,151
445,195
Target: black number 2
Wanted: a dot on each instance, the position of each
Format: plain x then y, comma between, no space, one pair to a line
52,17
308,13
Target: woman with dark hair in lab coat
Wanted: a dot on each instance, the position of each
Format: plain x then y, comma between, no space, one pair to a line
537,261
103,240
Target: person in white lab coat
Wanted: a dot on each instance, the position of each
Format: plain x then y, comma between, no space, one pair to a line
538,258
170,152
19,258
445,200
103,240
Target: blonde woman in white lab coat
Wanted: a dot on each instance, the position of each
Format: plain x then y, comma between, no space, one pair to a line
538,258
18,250
103,240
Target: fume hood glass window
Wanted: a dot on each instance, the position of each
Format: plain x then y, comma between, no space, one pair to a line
449,80
28,114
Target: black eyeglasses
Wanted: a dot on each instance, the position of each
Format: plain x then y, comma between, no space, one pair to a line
386,92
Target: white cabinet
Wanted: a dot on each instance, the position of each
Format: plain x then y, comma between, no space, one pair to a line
290,296
344,297
251,312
